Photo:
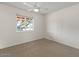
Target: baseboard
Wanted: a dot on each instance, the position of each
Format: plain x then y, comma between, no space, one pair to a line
54,38
18,43
62,42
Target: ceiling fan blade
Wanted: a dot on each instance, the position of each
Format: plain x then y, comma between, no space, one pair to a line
27,4
30,9
43,9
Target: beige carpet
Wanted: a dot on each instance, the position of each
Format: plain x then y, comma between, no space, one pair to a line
40,48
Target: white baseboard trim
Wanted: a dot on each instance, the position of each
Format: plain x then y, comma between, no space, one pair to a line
62,42
54,38
21,42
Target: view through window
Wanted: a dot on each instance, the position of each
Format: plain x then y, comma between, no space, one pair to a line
24,23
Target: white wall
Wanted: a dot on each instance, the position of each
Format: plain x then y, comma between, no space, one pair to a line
8,34
63,26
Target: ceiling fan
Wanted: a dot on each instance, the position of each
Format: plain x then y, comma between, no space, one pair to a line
35,7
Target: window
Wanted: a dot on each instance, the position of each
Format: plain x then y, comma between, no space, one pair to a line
24,23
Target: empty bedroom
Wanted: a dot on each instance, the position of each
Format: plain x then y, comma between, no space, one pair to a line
39,29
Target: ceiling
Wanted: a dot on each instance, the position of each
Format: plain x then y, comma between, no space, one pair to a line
46,7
